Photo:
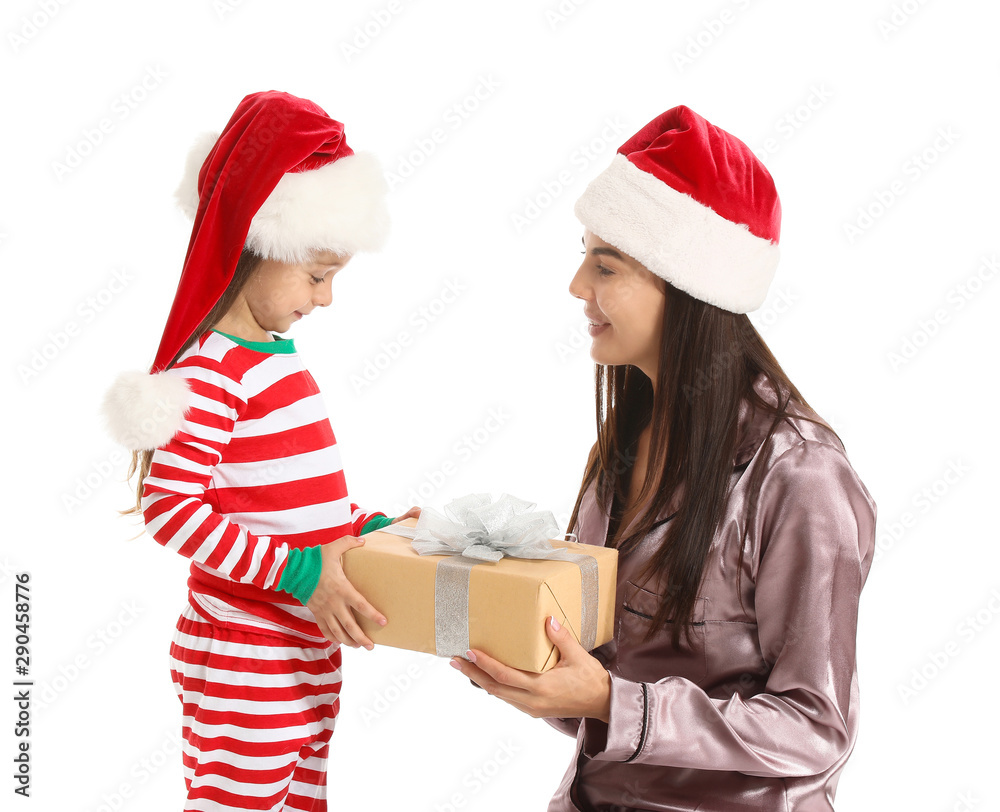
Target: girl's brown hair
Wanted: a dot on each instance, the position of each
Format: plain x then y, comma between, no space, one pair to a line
245,267
708,361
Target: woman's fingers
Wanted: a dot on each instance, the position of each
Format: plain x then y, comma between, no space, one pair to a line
525,701
497,679
578,685
498,672
569,647
477,675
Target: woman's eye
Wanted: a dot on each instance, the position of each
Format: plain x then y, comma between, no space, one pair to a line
317,280
604,271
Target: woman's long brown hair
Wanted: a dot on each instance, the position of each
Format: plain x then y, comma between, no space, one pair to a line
245,267
708,361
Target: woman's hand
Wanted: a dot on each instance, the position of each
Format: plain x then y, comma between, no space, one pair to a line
578,685
412,513
335,600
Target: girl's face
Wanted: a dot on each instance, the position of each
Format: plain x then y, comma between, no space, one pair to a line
279,294
624,303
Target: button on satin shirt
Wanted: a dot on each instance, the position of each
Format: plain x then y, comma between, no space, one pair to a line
759,709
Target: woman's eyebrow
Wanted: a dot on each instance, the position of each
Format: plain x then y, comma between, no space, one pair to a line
609,252
600,251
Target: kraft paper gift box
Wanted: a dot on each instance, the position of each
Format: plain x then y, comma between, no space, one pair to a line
508,600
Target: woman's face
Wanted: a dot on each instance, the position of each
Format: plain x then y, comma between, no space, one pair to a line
624,303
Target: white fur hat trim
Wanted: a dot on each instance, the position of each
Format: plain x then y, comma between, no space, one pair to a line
677,238
338,207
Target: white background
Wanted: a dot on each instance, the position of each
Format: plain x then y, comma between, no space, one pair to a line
885,83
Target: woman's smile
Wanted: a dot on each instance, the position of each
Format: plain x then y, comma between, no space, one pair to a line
596,328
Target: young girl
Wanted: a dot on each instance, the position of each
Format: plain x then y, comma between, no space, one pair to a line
744,534
238,465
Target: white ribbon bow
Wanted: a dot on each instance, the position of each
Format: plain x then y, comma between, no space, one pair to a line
477,527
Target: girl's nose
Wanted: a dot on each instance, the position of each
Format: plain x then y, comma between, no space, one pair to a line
323,294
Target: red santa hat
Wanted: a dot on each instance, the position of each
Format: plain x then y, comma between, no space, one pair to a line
281,181
694,205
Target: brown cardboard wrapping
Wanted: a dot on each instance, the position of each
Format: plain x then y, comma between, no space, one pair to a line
509,600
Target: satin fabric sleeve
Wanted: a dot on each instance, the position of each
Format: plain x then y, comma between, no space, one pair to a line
816,528
569,726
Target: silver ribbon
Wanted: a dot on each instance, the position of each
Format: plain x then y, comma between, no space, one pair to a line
476,529
588,607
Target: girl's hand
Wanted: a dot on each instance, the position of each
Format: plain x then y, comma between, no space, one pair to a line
412,513
578,685
334,600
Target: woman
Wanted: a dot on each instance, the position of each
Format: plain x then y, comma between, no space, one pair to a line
744,535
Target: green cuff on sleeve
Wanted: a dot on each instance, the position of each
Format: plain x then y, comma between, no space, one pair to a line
301,574
376,523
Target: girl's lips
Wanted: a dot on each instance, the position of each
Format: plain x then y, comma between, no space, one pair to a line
596,329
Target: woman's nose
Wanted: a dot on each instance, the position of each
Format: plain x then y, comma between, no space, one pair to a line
577,287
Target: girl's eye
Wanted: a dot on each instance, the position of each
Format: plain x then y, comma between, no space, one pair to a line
604,271
317,280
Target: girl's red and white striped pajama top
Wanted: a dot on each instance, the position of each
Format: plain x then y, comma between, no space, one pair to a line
253,472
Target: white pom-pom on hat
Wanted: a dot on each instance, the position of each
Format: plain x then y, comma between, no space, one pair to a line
186,194
145,411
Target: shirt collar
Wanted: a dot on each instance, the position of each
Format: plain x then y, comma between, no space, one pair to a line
754,423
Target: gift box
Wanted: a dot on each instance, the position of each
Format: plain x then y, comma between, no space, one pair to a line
481,595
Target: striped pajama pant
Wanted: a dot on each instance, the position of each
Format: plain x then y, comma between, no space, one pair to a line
258,715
